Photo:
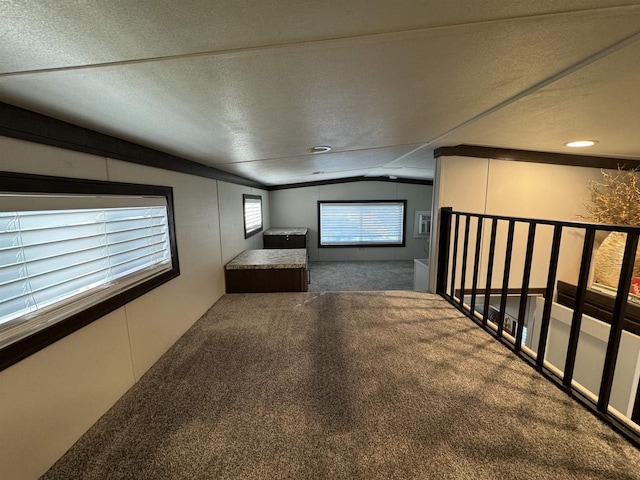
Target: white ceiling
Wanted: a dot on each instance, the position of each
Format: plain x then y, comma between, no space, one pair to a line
248,86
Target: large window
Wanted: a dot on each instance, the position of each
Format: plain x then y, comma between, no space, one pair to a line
252,206
67,259
363,223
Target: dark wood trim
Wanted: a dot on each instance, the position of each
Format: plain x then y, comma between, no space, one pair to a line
498,291
537,157
444,244
350,180
244,216
24,124
367,245
599,305
14,182
16,122
605,227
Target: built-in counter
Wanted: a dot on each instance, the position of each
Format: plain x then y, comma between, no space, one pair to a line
273,270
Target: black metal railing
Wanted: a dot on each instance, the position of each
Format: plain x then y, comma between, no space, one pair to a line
453,284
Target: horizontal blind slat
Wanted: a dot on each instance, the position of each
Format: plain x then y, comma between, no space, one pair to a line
361,223
66,252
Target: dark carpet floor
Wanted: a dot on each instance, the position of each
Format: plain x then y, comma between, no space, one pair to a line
393,385
361,276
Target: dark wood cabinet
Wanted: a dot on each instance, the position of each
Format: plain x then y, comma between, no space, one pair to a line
268,280
285,238
275,270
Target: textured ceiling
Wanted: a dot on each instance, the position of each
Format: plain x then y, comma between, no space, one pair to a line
249,86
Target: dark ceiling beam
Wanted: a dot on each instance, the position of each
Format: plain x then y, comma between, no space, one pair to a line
349,180
537,157
24,124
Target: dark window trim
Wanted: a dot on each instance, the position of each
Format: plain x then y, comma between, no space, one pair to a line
367,245
244,217
17,182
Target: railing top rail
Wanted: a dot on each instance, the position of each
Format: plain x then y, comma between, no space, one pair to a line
561,223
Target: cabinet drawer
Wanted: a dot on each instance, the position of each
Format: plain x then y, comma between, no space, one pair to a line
285,241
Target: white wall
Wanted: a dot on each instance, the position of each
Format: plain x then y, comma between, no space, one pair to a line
51,398
298,207
590,356
232,219
522,189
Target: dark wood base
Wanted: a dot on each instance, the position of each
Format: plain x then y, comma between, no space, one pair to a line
266,280
285,241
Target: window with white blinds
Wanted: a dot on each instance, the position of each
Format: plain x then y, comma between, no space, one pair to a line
379,223
252,214
56,262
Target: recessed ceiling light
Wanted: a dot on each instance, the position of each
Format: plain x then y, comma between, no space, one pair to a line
392,177
581,143
319,149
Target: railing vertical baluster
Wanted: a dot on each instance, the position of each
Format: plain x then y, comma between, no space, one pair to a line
444,246
465,254
526,277
574,335
635,416
548,296
619,310
492,251
449,285
476,266
505,278
455,257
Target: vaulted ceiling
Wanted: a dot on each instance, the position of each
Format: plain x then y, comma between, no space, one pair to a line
248,86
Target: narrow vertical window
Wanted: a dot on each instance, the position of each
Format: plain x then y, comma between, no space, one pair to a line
252,205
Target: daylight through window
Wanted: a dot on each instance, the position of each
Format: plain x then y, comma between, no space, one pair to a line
374,223
252,214
56,262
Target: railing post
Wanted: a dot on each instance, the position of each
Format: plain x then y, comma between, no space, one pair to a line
444,240
526,277
476,266
465,254
454,260
446,286
548,296
576,321
505,277
635,416
619,310
492,251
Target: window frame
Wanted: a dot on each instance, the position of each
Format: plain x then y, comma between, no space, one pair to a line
27,183
365,245
250,234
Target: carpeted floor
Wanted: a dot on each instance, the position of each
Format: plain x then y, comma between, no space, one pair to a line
361,276
344,385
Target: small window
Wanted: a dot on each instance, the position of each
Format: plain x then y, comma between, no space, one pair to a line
363,223
252,214
68,259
